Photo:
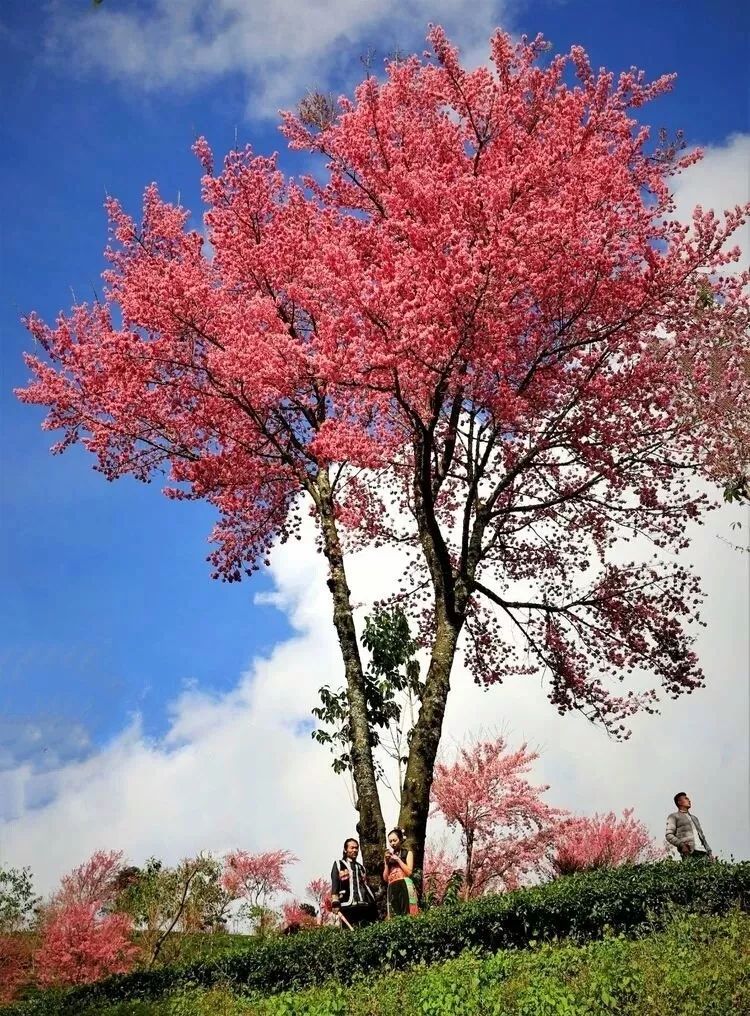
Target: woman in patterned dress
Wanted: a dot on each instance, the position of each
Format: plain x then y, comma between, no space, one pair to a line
397,871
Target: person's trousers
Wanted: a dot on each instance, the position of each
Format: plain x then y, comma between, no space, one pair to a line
695,855
359,915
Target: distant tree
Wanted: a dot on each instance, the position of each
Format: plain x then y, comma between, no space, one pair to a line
17,898
16,953
319,891
164,900
297,915
602,841
256,879
442,872
79,945
95,881
506,829
80,939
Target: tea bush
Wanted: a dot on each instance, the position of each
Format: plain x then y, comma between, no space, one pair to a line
581,907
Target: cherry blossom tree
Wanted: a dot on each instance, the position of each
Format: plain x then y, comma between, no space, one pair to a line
506,829
319,891
439,870
95,881
603,841
81,939
256,879
470,341
296,915
79,944
16,952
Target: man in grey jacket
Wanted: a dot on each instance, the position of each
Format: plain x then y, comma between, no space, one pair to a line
684,831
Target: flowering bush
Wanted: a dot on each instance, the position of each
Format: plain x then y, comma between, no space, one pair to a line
79,945
296,915
256,879
506,828
15,964
603,841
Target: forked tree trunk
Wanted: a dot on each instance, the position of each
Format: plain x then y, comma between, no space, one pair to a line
425,741
370,827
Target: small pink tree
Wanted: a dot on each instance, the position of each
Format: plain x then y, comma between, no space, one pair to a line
80,940
79,945
319,892
603,841
95,881
506,828
15,965
440,865
296,915
256,879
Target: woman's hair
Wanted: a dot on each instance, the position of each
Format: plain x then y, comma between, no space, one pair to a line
398,832
347,841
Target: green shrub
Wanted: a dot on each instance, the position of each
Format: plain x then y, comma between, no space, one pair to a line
699,966
582,907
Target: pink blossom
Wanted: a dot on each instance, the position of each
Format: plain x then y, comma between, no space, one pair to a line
78,945
603,841
506,828
294,915
95,881
319,891
438,868
256,878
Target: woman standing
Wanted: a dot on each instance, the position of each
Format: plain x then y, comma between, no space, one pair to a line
397,871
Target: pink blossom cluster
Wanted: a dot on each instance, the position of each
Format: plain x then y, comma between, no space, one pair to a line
255,878
506,828
603,841
484,333
81,941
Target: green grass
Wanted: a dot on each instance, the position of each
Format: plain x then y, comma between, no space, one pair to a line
580,908
199,947
698,966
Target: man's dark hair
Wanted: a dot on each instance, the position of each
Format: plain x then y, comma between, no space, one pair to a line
677,798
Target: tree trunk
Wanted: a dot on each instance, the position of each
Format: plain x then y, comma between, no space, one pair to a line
370,827
415,799
468,880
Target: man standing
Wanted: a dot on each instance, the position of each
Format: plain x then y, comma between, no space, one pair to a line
684,831
351,896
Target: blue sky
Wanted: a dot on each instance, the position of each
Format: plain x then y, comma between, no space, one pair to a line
108,605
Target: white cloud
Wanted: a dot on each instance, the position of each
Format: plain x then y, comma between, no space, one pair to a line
721,180
233,770
238,770
280,49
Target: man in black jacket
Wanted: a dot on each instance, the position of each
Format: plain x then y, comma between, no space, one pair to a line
351,896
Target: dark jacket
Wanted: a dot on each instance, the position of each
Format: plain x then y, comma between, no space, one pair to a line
352,891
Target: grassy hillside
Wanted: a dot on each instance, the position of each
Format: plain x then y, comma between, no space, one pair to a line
699,966
582,908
